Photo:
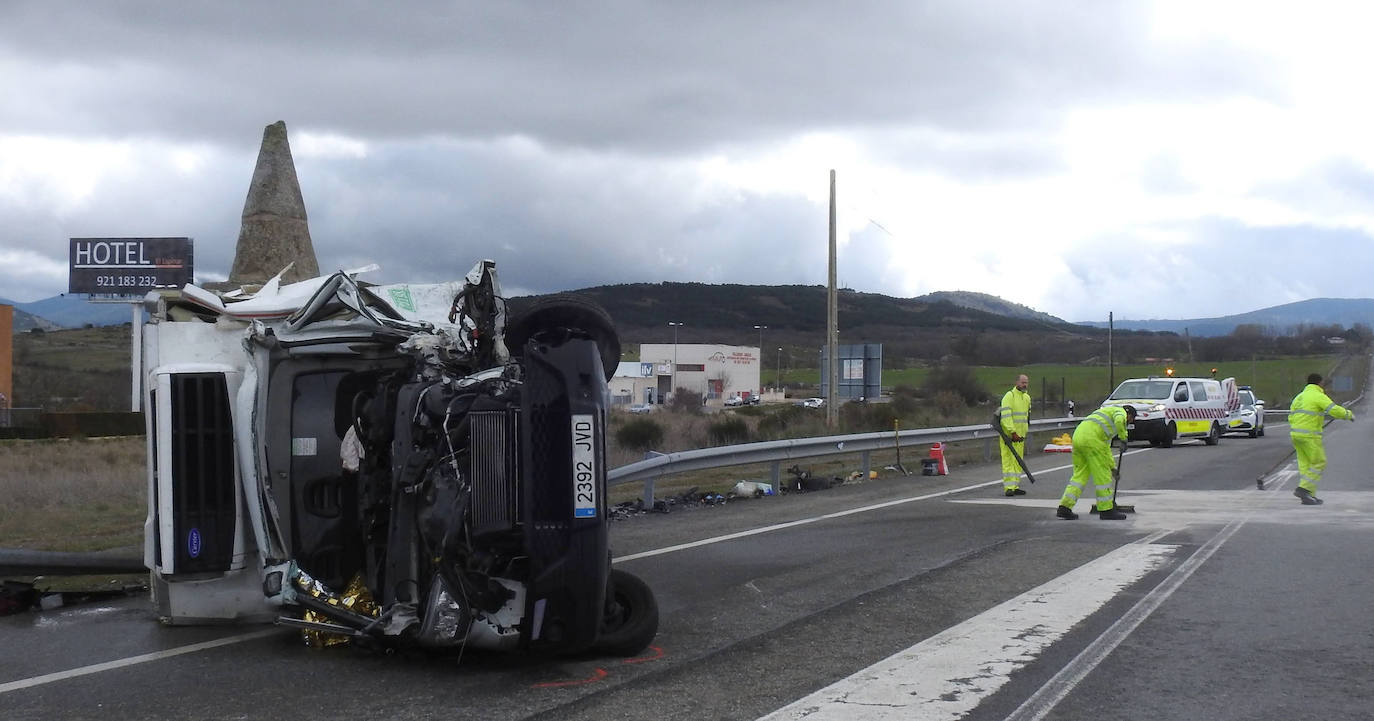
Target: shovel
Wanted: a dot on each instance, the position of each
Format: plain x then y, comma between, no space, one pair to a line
1116,481
1006,440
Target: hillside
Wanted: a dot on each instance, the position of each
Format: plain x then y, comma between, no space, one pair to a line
792,313
991,304
1279,319
25,321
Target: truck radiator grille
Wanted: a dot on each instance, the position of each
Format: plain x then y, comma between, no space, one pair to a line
494,470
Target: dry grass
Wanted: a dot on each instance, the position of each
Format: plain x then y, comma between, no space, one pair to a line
72,495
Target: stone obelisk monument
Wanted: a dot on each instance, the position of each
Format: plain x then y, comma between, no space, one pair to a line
274,232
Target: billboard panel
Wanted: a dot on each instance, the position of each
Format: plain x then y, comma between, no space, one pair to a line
128,266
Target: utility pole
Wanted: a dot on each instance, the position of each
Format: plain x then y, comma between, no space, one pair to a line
675,325
1111,362
777,386
760,329
832,321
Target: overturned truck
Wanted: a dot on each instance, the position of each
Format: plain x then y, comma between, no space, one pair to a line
397,465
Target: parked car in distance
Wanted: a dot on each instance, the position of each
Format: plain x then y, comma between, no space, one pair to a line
1249,418
813,402
641,408
753,399
734,400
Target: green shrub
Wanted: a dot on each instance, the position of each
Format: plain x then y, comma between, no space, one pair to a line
958,379
640,434
728,431
776,423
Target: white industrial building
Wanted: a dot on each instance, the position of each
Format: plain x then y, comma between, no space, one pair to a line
714,371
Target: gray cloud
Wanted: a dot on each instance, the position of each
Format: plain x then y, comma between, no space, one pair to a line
648,76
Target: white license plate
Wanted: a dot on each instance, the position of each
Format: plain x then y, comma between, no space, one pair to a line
1130,426
584,466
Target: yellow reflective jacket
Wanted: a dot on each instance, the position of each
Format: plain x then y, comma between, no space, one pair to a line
1015,412
1100,427
1309,408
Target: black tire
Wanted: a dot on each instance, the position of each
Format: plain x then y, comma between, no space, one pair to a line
1170,433
1261,429
1213,436
630,621
1254,432
567,311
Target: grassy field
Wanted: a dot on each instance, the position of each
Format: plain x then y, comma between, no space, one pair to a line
1275,381
78,495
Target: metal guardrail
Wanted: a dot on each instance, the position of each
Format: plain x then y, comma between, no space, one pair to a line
776,452
18,562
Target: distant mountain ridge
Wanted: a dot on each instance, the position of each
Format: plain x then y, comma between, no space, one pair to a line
1345,312
68,311
25,321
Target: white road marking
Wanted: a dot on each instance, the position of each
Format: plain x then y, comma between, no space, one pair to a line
132,660
826,516
1048,696
1043,701
950,673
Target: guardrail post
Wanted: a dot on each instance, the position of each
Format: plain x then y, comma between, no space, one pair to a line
987,450
648,494
868,464
777,476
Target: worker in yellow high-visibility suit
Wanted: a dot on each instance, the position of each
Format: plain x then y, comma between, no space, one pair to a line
1015,415
1092,457
1305,420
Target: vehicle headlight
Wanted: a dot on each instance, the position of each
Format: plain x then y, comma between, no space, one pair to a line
1157,407
446,616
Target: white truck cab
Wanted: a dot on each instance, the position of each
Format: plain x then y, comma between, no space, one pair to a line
1170,408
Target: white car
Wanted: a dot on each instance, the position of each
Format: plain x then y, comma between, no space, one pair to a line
814,403
734,400
641,408
1249,418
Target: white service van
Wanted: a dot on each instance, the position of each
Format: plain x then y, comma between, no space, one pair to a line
1171,408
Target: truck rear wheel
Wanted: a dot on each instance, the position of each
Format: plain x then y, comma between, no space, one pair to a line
631,616
572,312
1214,435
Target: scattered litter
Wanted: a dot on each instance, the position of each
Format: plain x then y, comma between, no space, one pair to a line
753,488
803,481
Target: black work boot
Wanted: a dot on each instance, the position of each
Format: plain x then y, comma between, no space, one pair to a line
1065,513
1014,492
1306,497
1111,514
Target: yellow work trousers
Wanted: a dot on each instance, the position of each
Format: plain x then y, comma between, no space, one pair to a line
1311,460
1094,461
1011,470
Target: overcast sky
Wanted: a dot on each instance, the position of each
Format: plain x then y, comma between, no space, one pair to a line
1154,159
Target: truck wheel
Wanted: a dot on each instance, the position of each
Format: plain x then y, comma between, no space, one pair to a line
630,621
568,311
1170,433
1213,436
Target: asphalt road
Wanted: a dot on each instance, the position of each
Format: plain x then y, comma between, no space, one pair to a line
913,598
